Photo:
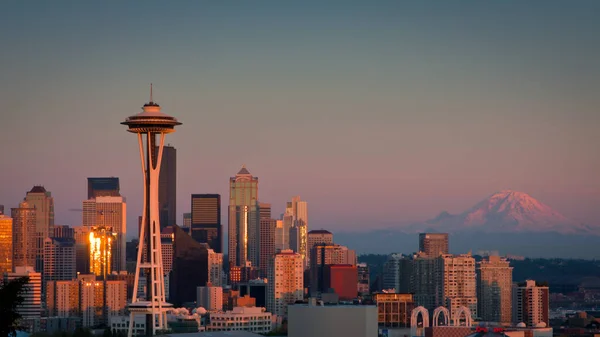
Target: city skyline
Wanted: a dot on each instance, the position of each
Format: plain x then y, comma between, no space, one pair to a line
459,107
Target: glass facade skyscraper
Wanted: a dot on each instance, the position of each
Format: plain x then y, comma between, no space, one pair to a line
244,231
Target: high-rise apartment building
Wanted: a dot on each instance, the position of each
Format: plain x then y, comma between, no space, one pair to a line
459,283
425,279
59,259
167,187
282,235
215,268
24,235
31,306
494,290
103,187
363,285
6,243
433,244
318,236
267,238
530,303
206,220
62,298
243,219
286,282
42,201
111,213
323,255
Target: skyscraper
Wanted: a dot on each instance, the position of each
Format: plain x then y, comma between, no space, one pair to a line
190,267
102,239
42,201
24,235
103,187
215,268
494,290
243,219
267,238
6,243
317,236
59,259
167,187
530,303
286,282
433,244
296,218
82,249
206,220
323,255
63,231
110,213
282,235
459,283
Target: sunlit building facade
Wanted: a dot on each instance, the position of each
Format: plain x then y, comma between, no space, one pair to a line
109,212
24,235
298,211
6,243
286,282
459,283
494,290
43,202
244,236
101,240
215,268
206,220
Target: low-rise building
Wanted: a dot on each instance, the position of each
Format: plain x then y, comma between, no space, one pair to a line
394,310
253,319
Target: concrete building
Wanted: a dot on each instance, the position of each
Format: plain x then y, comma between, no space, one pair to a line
530,303
100,300
424,276
62,298
282,235
59,259
342,279
6,243
32,297
166,246
394,310
109,212
167,187
318,236
206,220
336,320
243,219
24,235
459,283
433,244
494,290
286,282
267,238
323,255
363,284
187,220
215,268
210,298
252,319
42,201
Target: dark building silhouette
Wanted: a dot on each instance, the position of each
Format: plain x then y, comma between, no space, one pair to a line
206,220
167,187
103,187
257,290
64,231
190,267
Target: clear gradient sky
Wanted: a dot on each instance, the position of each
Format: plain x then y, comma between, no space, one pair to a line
376,112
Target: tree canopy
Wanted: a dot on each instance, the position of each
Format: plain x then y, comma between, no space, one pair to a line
11,296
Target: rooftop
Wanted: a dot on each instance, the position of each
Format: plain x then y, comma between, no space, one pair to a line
243,170
319,231
38,189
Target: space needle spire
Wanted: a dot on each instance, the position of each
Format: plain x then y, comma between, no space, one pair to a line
150,125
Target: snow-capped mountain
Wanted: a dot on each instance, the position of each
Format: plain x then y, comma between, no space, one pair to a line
507,211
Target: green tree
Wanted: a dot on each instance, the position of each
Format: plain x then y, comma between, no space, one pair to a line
11,296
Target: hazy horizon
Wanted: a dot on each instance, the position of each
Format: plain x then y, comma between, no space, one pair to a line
375,113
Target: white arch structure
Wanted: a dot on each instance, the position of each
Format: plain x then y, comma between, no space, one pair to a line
415,314
460,312
436,316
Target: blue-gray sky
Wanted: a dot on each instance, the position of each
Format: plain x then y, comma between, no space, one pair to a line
376,112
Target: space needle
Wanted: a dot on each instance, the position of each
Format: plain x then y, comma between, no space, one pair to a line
150,125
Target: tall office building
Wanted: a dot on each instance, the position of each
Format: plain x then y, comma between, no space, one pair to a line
6,243
282,235
31,306
102,241
494,290
317,236
243,219
59,259
190,267
286,282
82,249
206,220
296,216
323,255
267,238
459,283
167,187
109,212
63,231
42,201
103,187
433,244
24,235
530,303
